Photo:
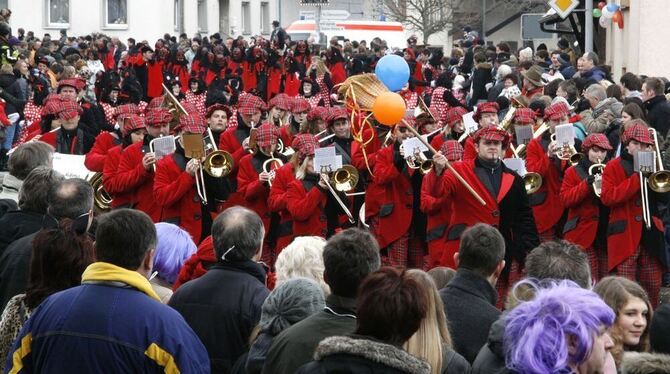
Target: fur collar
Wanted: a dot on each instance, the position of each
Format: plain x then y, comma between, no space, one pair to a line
645,363
382,353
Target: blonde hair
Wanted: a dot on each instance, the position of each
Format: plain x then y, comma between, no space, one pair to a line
302,258
319,66
433,336
301,170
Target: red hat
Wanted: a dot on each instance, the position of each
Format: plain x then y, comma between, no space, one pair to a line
68,109
452,150
487,107
213,108
157,117
192,123
156,102
492,133
336,113
454,115
524,116
51,105
125,110
77,83
249,104
596,140
281,101
318,112
131,123
304,145
266,134
556,111
300,105
637,132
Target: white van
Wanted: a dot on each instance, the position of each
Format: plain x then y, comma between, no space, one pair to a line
392,32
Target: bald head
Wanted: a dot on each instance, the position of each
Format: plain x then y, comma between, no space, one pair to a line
237,234
70,198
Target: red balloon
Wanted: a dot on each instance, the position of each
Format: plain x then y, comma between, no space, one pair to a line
601,5
618,19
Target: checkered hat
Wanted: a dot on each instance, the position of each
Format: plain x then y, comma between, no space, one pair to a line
452,150
637,132
487,107
492,133
68,109
156,102
192,123
556,111
157,117
77,83
266,134
51,105
454,115
304,145
597,140
213,108
336,113
281,101
300,105
318,112
133,122
249,104
125,110
524,116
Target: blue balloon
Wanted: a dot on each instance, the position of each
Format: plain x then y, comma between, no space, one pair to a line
393,71
612,7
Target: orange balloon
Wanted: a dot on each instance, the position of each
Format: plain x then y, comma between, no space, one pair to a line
389,108
618,19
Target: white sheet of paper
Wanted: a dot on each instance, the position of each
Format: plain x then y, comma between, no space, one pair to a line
327,164
324,152
164,146
565,134
469,122
516,164
411,146
71,166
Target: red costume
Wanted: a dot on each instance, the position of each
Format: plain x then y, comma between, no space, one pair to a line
95,158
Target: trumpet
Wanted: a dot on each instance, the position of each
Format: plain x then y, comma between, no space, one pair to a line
418,161
597,171
270,166
568,152
521,149
283,149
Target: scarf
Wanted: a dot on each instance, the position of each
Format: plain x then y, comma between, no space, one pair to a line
106,272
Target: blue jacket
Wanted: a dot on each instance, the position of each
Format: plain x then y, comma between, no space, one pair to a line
106,328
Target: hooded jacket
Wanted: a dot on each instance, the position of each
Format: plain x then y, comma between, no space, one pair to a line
645,363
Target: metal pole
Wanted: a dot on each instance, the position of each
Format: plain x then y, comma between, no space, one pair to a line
484,21
588,26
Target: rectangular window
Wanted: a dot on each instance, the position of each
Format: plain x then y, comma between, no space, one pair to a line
246,18
265,18
202,15
116,13
58,13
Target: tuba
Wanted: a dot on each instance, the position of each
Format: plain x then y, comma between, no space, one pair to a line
102,200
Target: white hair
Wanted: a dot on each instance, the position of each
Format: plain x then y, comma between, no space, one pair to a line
526,54
302,258
503,71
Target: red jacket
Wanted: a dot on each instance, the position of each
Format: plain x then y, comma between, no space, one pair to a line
231,142
583,207
254,191
95,158
395,201
307,207
133,178
277,204
109,179
621,192
362,161
546,202
437,208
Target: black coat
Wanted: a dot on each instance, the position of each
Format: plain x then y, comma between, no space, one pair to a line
469,303
222,307
12,93
17,224
480,78
14,268
491,358
658,114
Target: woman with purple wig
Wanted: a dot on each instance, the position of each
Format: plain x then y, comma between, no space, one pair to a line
562,330
174,247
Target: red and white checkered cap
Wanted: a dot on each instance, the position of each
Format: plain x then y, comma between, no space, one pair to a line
157,117
281,101
267,134
131,123
305,145
77,83
336,113
452,150
192,123
492,133
249,104
68,109
318,113
524,116
487,107
125,110
596,140
300,105
213,108
454,115
156,102
51,105
556,111
637,132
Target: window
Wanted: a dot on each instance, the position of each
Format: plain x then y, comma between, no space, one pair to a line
58,13
265,18
116,13
202,15
246,18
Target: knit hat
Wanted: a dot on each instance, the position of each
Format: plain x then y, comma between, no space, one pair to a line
492,133
157,117
192,123
556,111
597,140
637,132
454,115
487,107
452,150
305,145
133,122
249,104
291,302
266,134
524,116
281,101
68,110
534,75
300,105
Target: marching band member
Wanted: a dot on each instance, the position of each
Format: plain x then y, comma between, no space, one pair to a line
217,116
135,173
319,116
70,138
522,117
278,107
95,159
541,158
338,123
633,251
304,146
587,216
236,140
133,132
486,115
453,126
437,206
299,110
506,207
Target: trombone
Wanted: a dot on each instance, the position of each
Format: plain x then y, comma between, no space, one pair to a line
532,181
597,171
660,180
324,176
216,163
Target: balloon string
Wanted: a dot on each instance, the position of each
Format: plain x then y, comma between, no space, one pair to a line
358,124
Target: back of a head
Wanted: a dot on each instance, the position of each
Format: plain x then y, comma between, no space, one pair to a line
559,260
28,156
123,237
289,303
348,257
34,192
659,336
481,250
237,234
596,91
631,81
655,84
441,276
70,198
174,247
593,57
390,306
537,331
302,258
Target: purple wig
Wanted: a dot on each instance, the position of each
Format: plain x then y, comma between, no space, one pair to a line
537,331
174,247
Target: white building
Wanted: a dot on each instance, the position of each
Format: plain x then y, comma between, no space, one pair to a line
143,19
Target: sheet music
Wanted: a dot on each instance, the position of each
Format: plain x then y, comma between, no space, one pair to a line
524,133
71,166
644,161
565,134
327,164
469,122
324,152
164,146
516,164
412,145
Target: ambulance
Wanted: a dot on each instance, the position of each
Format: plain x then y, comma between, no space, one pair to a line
392,32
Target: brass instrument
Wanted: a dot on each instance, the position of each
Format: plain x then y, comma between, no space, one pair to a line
345,178
521,149
532,181
268,167
421,110
327,180
597,171
102,200
418,161
252,138
660,180
217,163
506,123
283,149
361,217
567,152
173,106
